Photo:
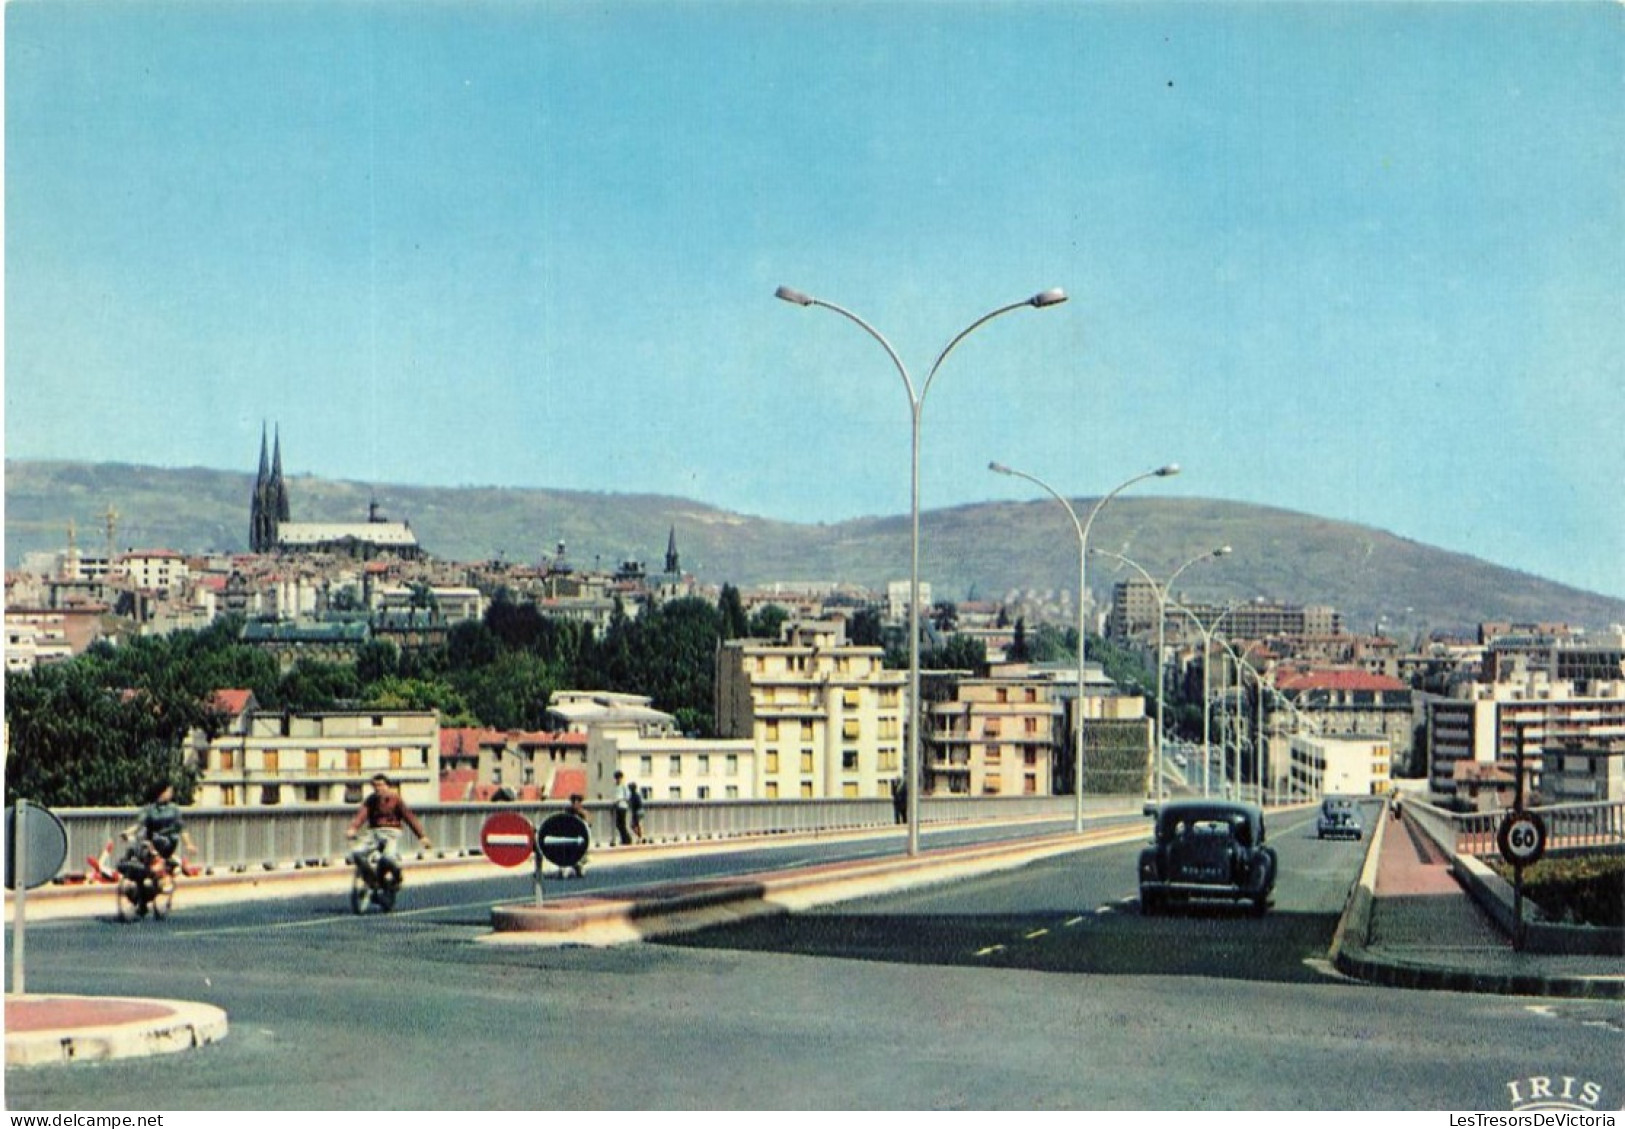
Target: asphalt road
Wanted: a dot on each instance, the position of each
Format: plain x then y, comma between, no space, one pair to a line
1036,988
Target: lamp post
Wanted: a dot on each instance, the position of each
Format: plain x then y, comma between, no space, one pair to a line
916,400
1258,726
1082,529
1161,595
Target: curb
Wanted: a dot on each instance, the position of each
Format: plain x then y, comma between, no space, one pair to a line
664,911
153,1027
1351,955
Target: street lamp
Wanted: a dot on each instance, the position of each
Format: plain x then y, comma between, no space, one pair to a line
916,400
1082,529
1162,616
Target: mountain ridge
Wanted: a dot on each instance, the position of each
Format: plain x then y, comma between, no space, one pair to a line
977,550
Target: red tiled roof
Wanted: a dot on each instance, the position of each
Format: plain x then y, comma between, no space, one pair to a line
567,781
468,741
232,702
1338,680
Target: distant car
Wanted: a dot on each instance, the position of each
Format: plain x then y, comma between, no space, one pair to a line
1339,819
1207,849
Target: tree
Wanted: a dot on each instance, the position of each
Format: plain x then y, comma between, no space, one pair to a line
768,621
864,629
1019,651
735,621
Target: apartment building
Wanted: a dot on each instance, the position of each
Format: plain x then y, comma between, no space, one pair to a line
1572,736
1348,764
994,737
1353,701
271,758
624,733
1134,611
825,717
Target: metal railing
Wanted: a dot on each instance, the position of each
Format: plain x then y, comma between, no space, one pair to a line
1569,827
308,835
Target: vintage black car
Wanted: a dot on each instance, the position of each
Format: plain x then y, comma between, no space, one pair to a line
1339,819
1207,849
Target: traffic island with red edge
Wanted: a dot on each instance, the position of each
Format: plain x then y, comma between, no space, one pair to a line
42,1030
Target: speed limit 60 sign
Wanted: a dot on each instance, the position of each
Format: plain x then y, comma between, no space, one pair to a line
1522,838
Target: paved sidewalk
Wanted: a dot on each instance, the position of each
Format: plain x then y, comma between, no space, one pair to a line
1423,930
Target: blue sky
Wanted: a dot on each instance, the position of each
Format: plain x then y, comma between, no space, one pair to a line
1364,261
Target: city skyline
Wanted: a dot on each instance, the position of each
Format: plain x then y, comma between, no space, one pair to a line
1359,261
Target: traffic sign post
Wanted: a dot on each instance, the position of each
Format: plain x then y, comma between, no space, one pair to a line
1522,839
563,839
36,846
507,840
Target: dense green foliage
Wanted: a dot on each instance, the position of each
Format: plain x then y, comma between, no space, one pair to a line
1579,889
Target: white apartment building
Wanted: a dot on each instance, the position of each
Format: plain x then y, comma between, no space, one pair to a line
155,570
825,717
1347,764
286,758
626,734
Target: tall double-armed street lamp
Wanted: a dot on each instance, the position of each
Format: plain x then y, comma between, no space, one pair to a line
1082,528
1161,593
916,400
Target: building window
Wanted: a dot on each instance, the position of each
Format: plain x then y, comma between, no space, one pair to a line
849,790
646,767
271,794
806,790
313,793
806,760
731,792
732,764
272,763
849,697
228,759
806,731
675,766
704,764
772,760
313,760
703,792
770,730
395,758
1030,785
352,760
849,760
849,729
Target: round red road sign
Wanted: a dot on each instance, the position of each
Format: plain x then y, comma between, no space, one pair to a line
506,839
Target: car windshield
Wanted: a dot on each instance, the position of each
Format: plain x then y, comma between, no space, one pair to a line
1178,823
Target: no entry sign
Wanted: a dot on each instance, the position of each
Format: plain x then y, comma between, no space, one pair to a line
506,839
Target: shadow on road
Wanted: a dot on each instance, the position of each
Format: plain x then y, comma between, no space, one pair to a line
1215,941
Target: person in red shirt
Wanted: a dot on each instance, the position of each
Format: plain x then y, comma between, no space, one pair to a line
384,813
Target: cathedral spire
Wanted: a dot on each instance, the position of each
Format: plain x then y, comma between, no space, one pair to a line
673,566
278,488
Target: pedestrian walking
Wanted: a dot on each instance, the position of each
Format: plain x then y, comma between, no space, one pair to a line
623,810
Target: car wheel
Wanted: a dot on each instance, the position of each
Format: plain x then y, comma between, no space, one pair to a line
1261,905
1150,903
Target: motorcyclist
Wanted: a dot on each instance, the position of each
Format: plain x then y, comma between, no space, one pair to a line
157,830
384,813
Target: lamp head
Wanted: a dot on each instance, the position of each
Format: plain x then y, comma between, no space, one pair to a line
1222,551
788,294
1168,471
999,468
1051,297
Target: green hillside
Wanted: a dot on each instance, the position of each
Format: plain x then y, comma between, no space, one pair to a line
983,551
